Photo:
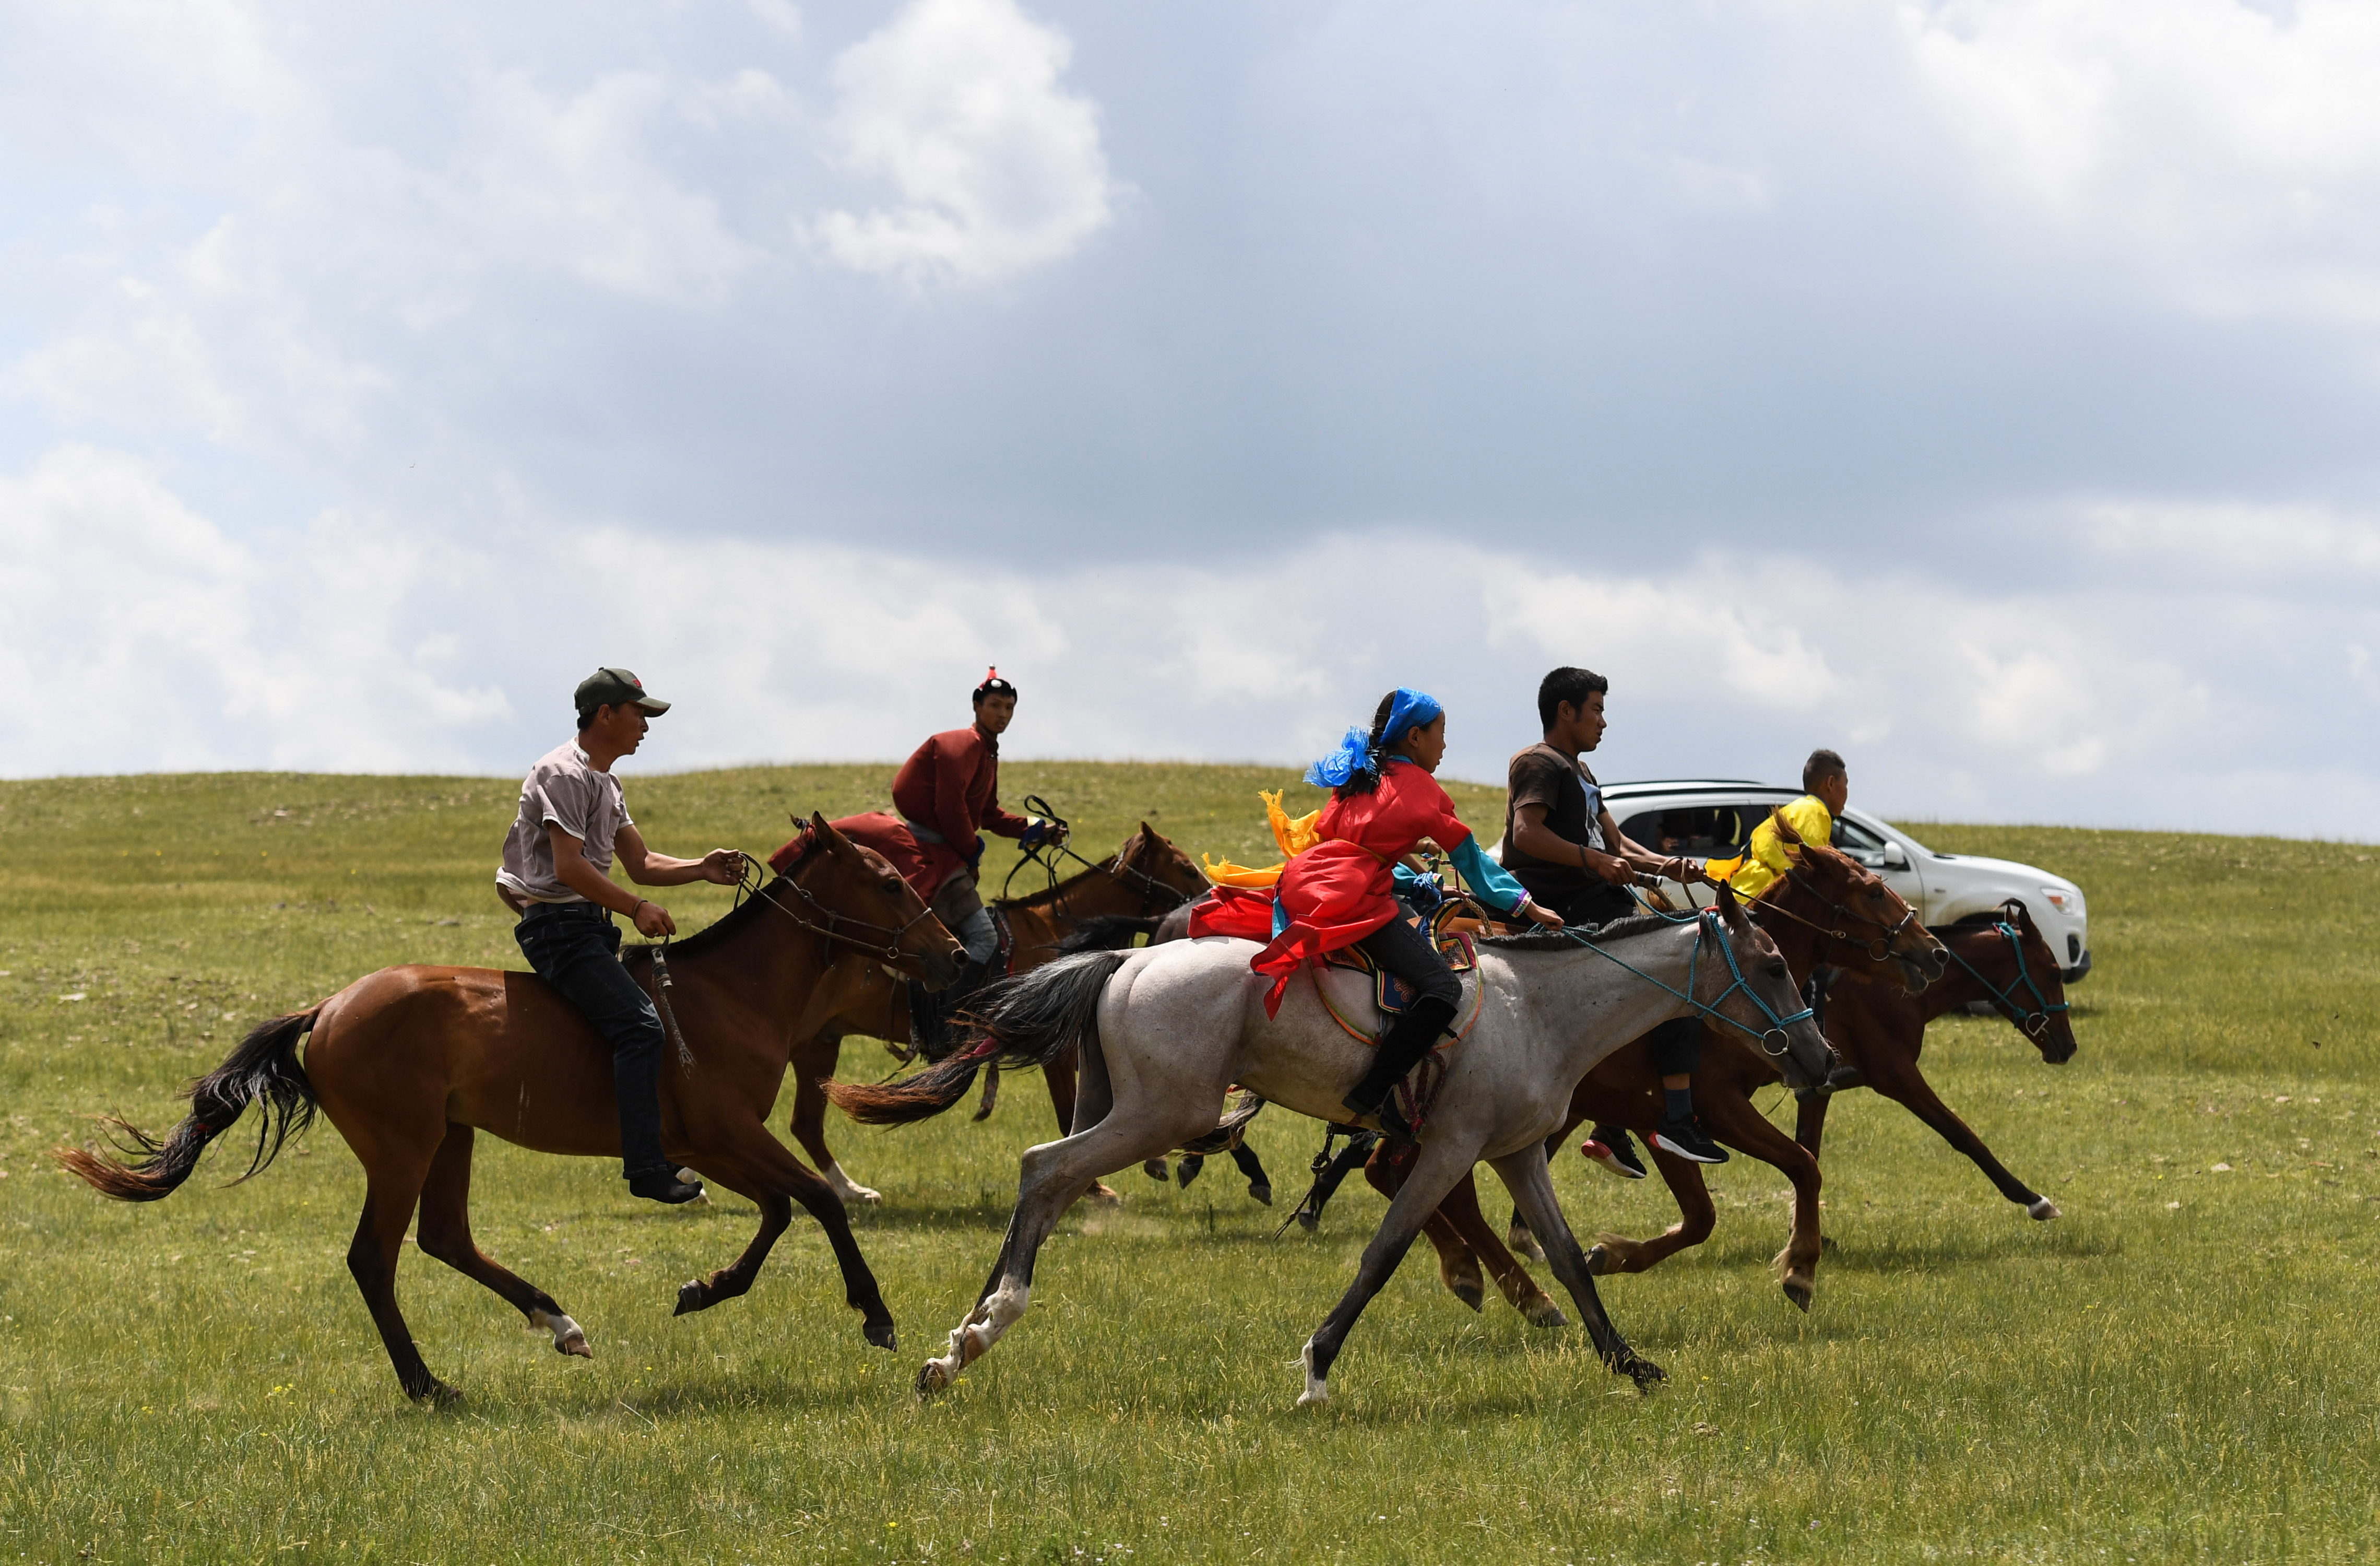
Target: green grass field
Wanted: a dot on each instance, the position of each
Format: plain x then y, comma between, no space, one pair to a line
2182,1368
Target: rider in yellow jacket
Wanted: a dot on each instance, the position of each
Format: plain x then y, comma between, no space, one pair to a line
1812,817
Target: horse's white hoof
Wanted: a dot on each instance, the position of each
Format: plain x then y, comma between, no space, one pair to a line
2042,1211
1317,1391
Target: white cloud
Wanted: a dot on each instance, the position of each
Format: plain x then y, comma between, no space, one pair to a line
138,636
2234,146
959,104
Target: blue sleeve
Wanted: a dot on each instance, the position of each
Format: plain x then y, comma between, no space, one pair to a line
1491,881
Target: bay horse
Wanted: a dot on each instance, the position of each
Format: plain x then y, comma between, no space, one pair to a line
409,1062
1164,1031
1147,876
1879,1030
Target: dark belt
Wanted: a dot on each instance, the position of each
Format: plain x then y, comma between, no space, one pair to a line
562,910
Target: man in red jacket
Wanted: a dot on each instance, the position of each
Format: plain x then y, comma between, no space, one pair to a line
948,794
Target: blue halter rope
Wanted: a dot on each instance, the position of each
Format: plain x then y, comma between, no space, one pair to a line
1708,926
2034,1022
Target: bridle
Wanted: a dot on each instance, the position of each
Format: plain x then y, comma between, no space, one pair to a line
1879,946
829,922
2033,1022
1151,889
1709,929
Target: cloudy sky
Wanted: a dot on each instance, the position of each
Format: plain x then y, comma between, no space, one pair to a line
1985,388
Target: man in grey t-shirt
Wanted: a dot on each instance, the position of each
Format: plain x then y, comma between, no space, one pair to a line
557,876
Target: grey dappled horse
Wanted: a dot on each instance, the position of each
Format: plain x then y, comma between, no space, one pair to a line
1166,1030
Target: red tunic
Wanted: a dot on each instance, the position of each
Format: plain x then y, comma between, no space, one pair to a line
951,784
1340,890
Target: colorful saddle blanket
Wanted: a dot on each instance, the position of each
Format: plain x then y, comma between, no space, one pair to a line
1362,997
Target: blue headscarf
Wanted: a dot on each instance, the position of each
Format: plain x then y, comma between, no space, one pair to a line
1410,710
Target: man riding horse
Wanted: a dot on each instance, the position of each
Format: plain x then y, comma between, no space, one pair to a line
947,795
557,876
1563,844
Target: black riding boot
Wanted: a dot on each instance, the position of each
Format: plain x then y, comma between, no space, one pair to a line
1399,1050
649,1171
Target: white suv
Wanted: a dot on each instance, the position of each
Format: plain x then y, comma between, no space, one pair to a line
1713,818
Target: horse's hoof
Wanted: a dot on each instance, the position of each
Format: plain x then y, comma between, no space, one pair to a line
1155,1168
1105,1195
575,1344
931,1379
1309,1220
2042,1209
1260,1194
689,1298
1543,1312
1599,1262
1799,1290
1644,1372
1314,1396
1524,1244
437,1395
1469,1292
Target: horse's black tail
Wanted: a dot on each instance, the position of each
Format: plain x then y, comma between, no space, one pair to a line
1027,1020
263,1070
1107,932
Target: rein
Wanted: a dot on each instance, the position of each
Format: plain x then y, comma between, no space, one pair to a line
1879,947
1707,927
2034,1023
890,949
1151,889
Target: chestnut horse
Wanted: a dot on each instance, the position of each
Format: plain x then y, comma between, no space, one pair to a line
410,1062
1147,877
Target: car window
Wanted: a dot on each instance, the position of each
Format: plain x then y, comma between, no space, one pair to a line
1705,830
1859,842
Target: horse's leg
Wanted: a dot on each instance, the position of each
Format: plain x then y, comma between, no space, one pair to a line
1458,1267
1442,1163
1516,1234
1525,1175
748,1161
1260,1184
1326,1184
1460,1209
1810,1120
814,1060
1732,1118
393,1177
1050,1178
1060,1074
1617,1253
445,1231
1897,1077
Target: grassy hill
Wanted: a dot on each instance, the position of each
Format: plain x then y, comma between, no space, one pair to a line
2177,1370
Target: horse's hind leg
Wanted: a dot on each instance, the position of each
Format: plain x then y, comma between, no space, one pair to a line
393,1185
1050,1178
1524,1173
813,1060
1617,1253
1458,1266
1061,1075
1732,1118
1461,1211
445,1232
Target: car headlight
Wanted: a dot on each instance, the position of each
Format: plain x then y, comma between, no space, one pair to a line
2065,899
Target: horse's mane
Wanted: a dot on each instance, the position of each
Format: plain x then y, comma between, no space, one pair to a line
1568,939
716,933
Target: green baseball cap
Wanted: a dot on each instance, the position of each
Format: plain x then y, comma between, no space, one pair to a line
611,688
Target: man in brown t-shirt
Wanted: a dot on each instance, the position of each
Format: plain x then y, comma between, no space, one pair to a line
1563,844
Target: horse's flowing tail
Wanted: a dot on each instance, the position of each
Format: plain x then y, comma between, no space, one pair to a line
1027,1020
263,1070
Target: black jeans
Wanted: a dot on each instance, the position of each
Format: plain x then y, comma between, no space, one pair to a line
1411,956
1677,1043
576,948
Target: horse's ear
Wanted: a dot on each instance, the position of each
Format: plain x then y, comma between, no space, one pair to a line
1151,833
825,830
1729,908
1785,833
